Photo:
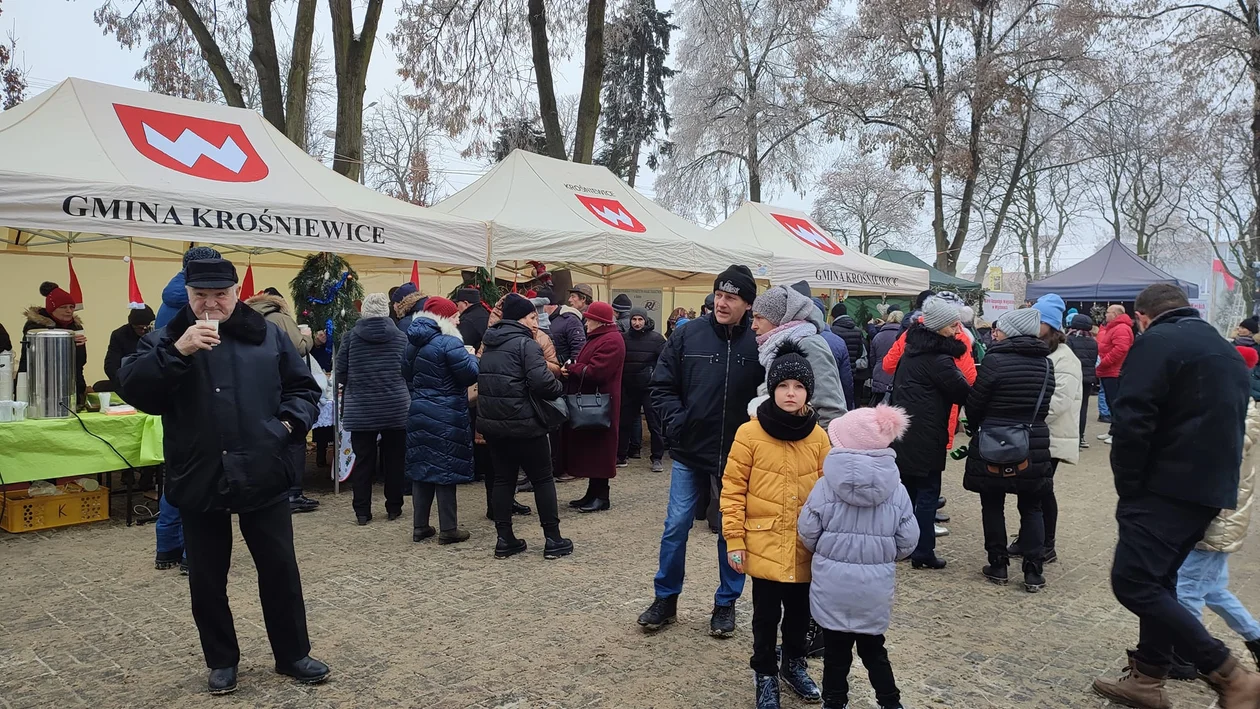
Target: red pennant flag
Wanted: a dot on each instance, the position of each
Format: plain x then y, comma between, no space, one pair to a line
247,285
415,274
135,301
75,291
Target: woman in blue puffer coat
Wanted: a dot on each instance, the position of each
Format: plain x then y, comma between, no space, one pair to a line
438,370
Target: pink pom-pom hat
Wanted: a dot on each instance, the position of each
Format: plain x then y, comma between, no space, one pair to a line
869,429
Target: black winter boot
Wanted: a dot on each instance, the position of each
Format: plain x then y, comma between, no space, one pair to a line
996,571
662,612
508,544
814,644
767,691
798,680
1033,580
1254,647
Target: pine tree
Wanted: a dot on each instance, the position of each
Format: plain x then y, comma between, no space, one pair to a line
326,289
636,46
518,132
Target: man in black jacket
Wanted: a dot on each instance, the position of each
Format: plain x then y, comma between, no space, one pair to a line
1178,421
843,325
473,316
643,348
123,343
704,379
233,393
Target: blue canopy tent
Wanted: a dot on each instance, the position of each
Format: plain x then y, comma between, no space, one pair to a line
1113,275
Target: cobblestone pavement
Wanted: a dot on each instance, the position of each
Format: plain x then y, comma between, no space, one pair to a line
85,620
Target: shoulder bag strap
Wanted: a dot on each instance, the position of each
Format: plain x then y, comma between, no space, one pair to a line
1042,395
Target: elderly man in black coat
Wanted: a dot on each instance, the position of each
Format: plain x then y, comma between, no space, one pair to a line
233,393
1177,421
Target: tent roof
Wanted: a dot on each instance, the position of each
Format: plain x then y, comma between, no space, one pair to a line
804,251
937,277
585,217
89,157
1114,273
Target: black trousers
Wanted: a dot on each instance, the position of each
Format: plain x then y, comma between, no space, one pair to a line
422,495
1050,508
1111,387
838,659
391,452
774,601
534,456
1032,531
1085,394
1156,535
295,459
925,492
268,533
633,402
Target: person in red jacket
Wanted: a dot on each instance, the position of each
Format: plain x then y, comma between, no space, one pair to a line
592,453
1115,338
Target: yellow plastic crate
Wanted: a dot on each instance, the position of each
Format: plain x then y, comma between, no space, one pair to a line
23,513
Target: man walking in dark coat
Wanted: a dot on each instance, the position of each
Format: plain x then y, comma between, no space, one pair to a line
1178,419
232,392
473,317
643,348
704,379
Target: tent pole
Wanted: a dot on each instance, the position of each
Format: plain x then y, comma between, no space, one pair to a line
336,451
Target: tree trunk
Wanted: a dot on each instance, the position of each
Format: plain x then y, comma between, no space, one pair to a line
938,214
592,83
986,250
211,52
266,61
546,86
352,56
300,73
633,170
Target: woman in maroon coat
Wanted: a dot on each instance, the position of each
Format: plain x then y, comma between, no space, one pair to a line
593,453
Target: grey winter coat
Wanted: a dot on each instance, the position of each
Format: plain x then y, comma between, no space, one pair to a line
858,521
369,368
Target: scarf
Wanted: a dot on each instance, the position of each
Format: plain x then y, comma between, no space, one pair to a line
768,344
784,426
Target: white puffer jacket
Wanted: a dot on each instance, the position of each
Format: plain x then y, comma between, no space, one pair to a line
1228,530
1064,420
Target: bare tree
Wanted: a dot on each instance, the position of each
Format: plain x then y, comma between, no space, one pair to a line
739,98
398,142
868,204
12,76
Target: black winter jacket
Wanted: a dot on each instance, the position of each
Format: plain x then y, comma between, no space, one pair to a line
855,341
472,325
512,369
1086,350
369,368
1006,391
881,344
643,348
701,387
927,384
222,410
122,344
1179,415
568,333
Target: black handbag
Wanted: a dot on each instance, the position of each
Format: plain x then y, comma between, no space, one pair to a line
589,412
1005,447
551,413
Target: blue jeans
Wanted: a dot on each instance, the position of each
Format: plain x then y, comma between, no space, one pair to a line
170,532
684,492
1103,408
925,493
1204,579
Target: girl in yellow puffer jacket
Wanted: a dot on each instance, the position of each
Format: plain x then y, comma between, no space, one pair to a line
774,462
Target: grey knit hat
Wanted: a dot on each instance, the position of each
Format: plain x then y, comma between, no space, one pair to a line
772,305
375,305
939,313
1025,321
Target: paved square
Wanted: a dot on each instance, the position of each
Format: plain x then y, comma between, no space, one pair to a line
85,620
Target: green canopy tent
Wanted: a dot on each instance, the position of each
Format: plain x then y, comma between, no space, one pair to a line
939,279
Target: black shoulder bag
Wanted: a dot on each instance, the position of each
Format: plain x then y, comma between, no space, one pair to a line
551,413
589,412
1004,447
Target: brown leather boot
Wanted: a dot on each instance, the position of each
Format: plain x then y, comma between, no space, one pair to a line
1141,686
1236,686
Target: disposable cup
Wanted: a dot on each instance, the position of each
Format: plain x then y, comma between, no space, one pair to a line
211,323
104,397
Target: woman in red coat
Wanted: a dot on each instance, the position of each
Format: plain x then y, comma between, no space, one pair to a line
592,454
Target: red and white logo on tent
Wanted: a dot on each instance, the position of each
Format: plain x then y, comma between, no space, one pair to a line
610,212
211,150
806,231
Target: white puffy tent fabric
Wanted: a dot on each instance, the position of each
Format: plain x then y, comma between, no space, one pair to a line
585,218
89,157
805,251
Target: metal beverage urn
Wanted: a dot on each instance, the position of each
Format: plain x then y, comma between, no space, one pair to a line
51,373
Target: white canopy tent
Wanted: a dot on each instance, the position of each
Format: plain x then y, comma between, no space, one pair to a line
805,251
586,219
85,161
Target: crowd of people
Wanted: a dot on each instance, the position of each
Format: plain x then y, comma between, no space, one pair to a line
815,450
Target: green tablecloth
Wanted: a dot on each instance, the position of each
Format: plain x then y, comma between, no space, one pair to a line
55,448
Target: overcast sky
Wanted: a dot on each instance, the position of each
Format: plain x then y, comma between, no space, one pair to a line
58,39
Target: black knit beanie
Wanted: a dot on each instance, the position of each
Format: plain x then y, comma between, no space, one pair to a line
790,362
